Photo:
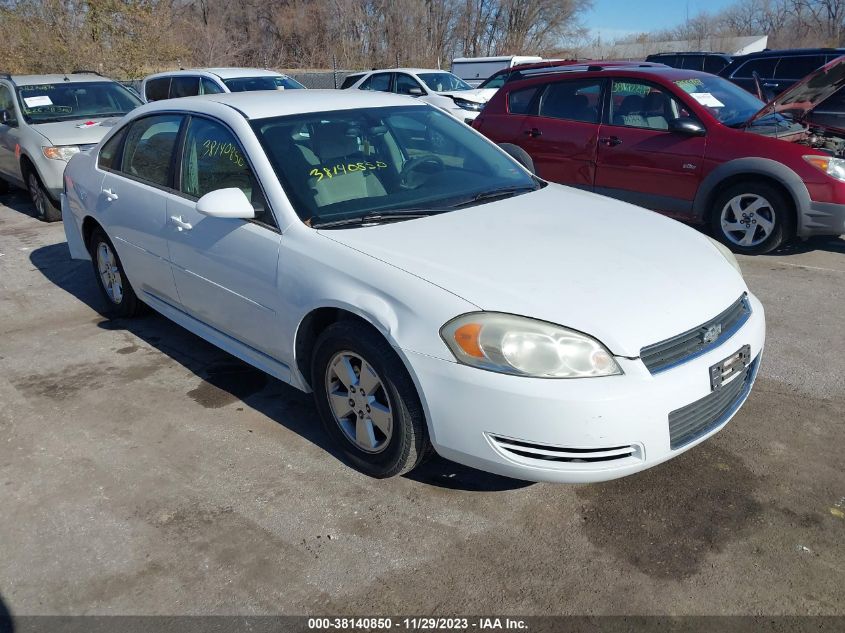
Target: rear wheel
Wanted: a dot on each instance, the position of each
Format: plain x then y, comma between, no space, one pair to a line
753,218
367,401
111,277
44,208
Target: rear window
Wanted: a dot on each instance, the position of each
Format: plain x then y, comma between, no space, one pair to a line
351,79
798,67
519,101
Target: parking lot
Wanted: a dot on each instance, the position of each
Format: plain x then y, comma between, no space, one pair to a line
143,471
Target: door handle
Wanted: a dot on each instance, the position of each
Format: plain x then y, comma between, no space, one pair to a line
770,85
110,195
610,141
533,132
180,225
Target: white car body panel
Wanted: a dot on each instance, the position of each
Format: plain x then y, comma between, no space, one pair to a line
626,276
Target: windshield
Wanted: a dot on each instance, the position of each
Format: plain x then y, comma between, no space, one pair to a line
443,82
725,101
251,84
47,103
496,81
348,164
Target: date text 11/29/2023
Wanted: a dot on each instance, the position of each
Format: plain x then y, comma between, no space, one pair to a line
427,623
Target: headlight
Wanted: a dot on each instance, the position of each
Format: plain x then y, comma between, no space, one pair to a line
60,152
468,105
520,346
833,167
727,254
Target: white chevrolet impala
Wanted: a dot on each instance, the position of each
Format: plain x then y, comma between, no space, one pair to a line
431,292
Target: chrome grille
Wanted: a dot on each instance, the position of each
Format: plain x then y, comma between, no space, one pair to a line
694,420
683,347
550,453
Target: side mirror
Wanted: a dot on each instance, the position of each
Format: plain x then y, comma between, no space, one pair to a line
688,127
226,203
415,92
8,118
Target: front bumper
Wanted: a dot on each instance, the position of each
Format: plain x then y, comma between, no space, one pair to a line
822,218
620,424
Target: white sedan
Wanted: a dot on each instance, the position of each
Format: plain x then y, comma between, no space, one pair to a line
433,295
437,87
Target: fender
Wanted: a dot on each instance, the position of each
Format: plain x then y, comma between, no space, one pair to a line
757,166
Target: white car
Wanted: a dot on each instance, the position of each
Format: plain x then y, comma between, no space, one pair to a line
437,87
208,81
432,295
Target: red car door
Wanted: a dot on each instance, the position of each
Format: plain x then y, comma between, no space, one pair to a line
561,132
643,156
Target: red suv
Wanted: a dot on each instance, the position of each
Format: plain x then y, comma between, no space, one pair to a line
685,143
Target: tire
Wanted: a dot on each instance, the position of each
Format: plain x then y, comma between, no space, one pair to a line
45,210
520,156
4,186
395,441
107,266
768,222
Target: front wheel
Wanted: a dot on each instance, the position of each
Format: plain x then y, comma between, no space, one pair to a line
367,401
111,277
44,208
753,218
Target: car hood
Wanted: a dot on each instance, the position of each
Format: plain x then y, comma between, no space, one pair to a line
627,276
486,93
77,132
469,95
803,97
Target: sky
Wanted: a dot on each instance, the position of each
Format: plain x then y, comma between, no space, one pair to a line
617,18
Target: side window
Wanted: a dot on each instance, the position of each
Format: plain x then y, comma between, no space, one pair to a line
209,87
519,101
184,87
765,67
404,84
148,150
157,89
572,100
379,82
638,104
7,103
212,159
111,150
692,62
798,67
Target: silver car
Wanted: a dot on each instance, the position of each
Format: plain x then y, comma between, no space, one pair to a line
46,119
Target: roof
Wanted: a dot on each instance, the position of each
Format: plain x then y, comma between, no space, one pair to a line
501,58
223,73
416,71
30,80
639,50
792,52
271,103
664,72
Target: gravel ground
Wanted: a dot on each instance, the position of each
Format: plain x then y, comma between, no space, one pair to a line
144,472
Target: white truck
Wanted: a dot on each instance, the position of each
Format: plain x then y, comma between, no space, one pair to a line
475,70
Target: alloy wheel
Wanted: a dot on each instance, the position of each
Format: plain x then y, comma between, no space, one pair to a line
359,402
37,194
747,219
109,273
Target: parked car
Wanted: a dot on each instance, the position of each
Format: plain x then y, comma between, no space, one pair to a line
475,70
437,87
431,295
779,70
209,81
685,143
704,61
46,119
490,85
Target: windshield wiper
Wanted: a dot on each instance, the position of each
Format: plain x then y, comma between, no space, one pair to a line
378,217
495,194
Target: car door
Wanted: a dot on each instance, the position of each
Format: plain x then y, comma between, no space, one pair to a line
561,132
791,69
639,159
9,136
225,268
138,166
404,84
764,67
